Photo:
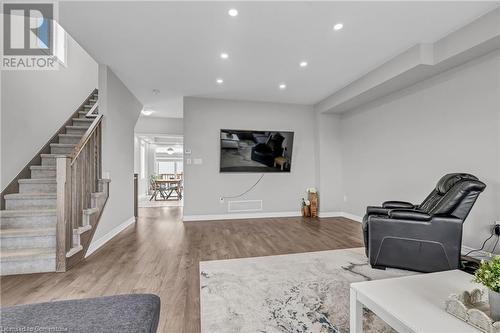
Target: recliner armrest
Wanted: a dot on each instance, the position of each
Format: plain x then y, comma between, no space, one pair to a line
398,204
409,214
373,210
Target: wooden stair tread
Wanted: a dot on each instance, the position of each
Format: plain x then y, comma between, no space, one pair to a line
27,232
30,196
77,127
43,167
87,120
65,145
27,254
37,181
53,155
27,212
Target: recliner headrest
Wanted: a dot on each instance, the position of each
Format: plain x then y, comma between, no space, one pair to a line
463,191
448,181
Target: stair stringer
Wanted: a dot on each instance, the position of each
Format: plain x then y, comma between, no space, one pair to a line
91,217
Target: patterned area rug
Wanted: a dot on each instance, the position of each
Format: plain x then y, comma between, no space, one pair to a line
306,292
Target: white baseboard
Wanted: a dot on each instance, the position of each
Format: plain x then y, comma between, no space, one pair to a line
329,214
236,216
341,214
96,244
213,217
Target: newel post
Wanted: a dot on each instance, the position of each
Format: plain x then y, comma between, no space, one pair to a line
63,179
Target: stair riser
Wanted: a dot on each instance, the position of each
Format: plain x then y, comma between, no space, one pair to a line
38,188
22,222
32,203
82,123
28,266
43,174
61,150
75,131
82,115
72,140
28,242
48,161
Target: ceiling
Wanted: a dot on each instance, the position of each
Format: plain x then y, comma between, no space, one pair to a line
162,140
175,47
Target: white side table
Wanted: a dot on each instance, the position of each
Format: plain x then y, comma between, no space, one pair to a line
413,303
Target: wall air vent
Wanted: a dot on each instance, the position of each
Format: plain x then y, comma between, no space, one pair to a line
244,206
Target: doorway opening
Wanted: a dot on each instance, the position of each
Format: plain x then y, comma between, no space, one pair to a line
161,170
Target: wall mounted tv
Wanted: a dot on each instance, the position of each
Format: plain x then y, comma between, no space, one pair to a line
255,151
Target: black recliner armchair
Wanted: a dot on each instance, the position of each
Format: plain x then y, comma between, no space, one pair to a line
425,237
266,152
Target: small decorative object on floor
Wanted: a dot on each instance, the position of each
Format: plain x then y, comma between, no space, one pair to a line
312,194
473,308
488,274
306,208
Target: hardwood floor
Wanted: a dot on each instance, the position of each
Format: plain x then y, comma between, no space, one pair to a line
160,255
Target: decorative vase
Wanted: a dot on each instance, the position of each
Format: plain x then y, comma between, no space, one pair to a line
494,299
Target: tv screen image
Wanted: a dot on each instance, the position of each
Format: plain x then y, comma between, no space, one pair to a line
255,151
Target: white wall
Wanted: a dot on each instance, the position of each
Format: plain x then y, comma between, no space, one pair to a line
329,163
399,147
157,125
203,119
38,103
121,110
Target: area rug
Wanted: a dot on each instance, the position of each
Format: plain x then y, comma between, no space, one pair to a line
305,292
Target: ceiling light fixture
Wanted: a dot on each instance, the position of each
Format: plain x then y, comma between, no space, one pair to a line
303,64
338,26
147,112
219,81
156,91
232,12
170,151
282,86
224,55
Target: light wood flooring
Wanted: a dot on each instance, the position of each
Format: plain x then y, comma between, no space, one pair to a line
160,254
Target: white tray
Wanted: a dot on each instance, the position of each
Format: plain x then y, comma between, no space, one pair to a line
473,308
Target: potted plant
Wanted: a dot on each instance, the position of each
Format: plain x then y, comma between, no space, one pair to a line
488,274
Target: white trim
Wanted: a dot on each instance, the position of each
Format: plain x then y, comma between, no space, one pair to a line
352,217
329,214
95,245
341,214
212,217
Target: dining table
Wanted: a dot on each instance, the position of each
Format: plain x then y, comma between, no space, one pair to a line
171,186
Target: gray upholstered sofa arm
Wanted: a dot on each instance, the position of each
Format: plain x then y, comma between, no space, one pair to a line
136,313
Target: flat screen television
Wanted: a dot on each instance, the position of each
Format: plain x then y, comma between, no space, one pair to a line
255,151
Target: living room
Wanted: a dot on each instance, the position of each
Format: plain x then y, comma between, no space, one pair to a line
387,113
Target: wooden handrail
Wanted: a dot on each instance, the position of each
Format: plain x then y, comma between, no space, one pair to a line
85,138
91,114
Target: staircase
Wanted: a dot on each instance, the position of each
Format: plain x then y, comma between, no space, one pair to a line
50,211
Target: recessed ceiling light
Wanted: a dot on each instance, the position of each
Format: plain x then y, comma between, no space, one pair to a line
156,91
224,55
282,86
338,26
232,12
147,112
219,81
303,64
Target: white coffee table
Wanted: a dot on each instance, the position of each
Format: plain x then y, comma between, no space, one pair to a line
412,303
